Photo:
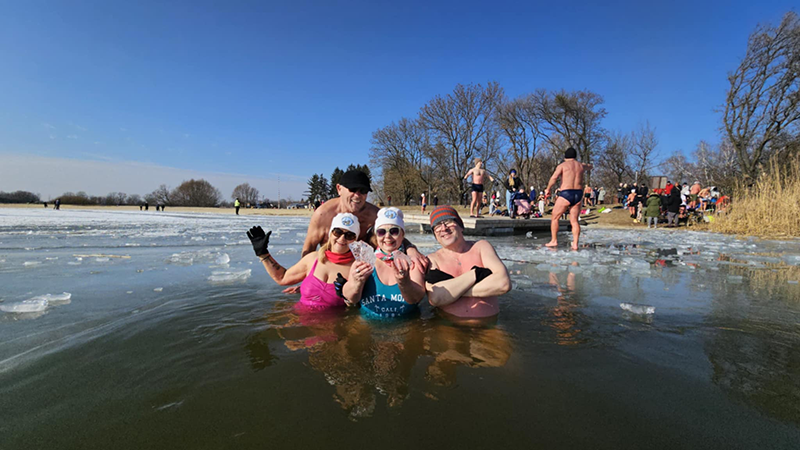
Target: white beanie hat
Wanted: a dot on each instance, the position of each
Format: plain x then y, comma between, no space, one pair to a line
346,221
390,216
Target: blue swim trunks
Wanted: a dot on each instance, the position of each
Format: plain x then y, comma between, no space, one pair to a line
573,196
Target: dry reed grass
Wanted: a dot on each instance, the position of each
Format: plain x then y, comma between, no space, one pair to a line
769,208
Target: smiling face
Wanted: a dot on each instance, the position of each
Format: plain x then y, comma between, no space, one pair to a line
352,201
448,232
340,244
388,242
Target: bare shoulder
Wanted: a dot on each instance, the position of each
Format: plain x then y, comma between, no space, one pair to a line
482,245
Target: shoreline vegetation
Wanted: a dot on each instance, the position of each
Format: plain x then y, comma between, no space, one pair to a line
769,208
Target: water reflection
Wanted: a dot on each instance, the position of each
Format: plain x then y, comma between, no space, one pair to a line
366,361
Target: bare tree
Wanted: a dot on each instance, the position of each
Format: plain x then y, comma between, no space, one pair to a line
643,152
463,123
574,117
522,125
678,168
245,193
196,193
401,152
762,103
159,196
612,163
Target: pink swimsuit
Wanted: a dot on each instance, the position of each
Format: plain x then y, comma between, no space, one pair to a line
317,294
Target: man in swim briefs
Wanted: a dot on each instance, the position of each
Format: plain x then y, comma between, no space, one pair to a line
465,277
477,172
571,173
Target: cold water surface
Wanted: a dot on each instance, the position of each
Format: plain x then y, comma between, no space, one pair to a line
175,337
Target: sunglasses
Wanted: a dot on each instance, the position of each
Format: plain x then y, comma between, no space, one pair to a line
349,235
444,224
361,190
381,232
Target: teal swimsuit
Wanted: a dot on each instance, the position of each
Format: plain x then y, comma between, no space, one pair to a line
384,302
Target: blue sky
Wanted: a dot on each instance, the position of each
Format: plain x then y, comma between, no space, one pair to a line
268,89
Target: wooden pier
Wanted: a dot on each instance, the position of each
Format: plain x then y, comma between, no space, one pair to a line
490,226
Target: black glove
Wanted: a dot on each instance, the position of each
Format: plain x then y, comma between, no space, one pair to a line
259,240
481,273
339,284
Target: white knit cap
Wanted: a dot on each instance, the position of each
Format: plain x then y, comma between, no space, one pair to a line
346,221
390,216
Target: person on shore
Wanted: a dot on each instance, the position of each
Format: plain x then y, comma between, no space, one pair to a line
571,173
673,206
477,173
423,202
45,205
435,200
621,194
694,193
57,205
237,205
653,209
601,196
587,196
317,271
631,202
395,286
465,277
353,187
512,186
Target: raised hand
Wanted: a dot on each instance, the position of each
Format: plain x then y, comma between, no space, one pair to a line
402,267
338,285
359,272
259,240
418,258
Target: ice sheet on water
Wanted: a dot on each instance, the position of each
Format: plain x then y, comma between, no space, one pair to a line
224,258
31,263
222,276
363,252
25,306
64,298
102,259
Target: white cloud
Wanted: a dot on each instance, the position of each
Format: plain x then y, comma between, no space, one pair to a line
51,177
72,136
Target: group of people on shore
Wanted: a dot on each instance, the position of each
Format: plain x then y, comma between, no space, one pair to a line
675,202
462,280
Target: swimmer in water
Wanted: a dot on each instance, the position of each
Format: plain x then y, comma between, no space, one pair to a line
569,199
318,271
465,277
395,286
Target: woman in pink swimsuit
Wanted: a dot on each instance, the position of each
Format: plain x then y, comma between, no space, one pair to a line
317,271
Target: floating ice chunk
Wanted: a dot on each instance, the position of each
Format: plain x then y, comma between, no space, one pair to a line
158,289
51,258
64,298
301,234
25,306
129,292
102,259
31,263
529,234
223,259
221,276
288,251
638,309
544,267
198,238
74,263
363,252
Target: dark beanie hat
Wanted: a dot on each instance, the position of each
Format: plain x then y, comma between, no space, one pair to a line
570,153
445,212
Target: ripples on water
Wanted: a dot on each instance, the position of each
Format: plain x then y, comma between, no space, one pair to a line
175,338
